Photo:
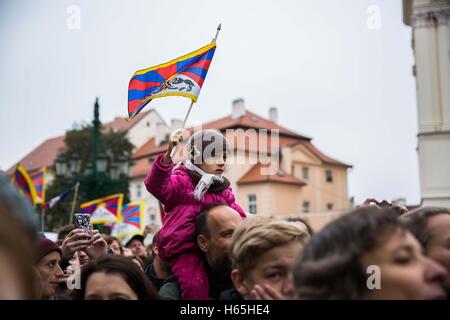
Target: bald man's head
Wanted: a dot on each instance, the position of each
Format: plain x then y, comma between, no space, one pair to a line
215,226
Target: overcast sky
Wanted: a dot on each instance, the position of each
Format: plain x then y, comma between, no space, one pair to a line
335,71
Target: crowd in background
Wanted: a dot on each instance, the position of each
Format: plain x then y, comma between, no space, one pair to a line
208,248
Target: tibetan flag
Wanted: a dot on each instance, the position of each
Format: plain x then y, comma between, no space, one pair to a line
183,76
105,209
132,220
23,181
56,199
38,178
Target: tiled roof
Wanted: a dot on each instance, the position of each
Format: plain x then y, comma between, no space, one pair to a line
250,120
254,175
45,154
237,140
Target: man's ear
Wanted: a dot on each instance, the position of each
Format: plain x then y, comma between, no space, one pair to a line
203,243
155,249
239,282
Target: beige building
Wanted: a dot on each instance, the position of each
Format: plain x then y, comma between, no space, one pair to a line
273,170
430,22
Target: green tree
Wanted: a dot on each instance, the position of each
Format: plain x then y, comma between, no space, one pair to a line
78,143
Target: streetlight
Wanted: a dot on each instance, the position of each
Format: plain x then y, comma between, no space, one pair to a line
101,167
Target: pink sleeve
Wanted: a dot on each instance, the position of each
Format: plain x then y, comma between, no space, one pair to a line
236,207
160,182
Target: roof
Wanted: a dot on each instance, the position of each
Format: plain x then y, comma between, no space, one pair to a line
121,124
250,120
45,154
324,157
141,167
254,175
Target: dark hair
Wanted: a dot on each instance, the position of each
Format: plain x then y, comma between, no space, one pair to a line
201,221
110,239
416,222
63,232
124,267
135,257
330,266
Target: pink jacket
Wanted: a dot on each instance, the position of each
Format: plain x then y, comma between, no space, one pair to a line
174,189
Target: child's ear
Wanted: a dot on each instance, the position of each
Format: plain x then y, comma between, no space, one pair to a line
239,282
202,242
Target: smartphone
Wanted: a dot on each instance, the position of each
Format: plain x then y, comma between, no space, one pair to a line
83,221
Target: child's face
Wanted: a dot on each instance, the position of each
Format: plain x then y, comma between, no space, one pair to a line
215,164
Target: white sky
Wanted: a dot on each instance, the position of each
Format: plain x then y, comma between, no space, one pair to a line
332,78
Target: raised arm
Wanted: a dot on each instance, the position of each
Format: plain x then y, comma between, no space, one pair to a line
159,180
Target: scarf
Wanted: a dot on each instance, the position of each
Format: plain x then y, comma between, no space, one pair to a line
205,181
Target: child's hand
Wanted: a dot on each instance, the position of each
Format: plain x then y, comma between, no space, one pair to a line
175,139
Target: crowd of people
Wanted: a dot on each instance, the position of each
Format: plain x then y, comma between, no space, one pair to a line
209,248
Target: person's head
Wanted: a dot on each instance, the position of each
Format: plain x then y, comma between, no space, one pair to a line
214,227
17,235
208,149
63,232
114,246
367,254
83,258
136,245
48,258
263,251
431,227
137,261
302,223
114,278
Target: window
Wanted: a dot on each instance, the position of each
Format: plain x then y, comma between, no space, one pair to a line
306,206
329,207
305,172
152,218
148,123
293,170
328,176
138,191
252,203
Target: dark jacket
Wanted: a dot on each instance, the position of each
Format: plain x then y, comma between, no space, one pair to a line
168,289
231,294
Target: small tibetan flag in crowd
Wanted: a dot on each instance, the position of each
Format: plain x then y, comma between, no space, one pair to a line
132,220
53,201
183,76
38,179
23,181
105,209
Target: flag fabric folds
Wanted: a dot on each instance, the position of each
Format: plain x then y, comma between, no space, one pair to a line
38,179
23,181
183,76
131,222
103,210
53,201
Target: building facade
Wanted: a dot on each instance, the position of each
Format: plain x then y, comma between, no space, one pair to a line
430,22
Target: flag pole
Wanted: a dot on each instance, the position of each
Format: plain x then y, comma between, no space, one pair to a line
217,32
42,219
74,202
219,27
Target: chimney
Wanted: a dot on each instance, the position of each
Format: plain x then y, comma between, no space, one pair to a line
238,108
176,124
161,133
273,114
